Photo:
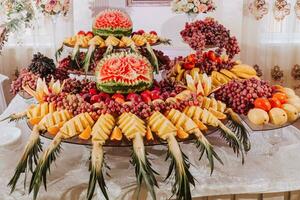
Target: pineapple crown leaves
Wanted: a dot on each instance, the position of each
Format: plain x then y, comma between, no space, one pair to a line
59,52
235,124
233,141
165,41
210,153
29,157
88,57
144,171
183,177
40,173
96,176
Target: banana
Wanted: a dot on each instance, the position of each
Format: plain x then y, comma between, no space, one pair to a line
229,74
244,69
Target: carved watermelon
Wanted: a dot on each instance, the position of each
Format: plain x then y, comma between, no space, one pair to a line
112,22
124,72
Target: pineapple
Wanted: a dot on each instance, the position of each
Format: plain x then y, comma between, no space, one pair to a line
208,118
183,120
165,129
99,136
69,129
135,129
34,146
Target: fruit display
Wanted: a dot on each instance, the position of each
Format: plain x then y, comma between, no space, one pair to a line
280,109
112,22
221,70
40,67
204,93
124,73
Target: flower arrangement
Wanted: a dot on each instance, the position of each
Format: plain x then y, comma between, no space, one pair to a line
54,7
192,6
18,15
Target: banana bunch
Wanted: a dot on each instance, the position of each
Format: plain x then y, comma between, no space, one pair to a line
244,71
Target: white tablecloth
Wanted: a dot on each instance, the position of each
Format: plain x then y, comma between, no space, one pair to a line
264,170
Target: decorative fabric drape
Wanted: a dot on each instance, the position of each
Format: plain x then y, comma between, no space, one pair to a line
269,42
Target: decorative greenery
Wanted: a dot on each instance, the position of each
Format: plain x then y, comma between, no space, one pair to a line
19,14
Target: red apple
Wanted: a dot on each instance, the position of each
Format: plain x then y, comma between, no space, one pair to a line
82,33
140,32
155,94
94,99
146,96
89,34
153,32
117,95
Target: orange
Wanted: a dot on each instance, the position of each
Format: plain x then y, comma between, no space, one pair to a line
275,103
149,135
282,97
181,133
263,104
86,134
217,114
35,120
53,130
200,125
116,134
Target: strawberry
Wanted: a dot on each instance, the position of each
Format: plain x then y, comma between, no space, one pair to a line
146,96
104,96
118,96
94,99
133,97
93,92
153,33
140,32
89,34
82,33
155,94
212,56
188,65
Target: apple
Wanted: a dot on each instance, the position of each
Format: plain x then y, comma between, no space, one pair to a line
95,99
155,94
82,33
133,97
93,92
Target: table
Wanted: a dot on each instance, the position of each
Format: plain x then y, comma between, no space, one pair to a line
261,173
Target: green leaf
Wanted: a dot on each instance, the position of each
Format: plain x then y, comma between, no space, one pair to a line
205,147
29,157
39,175
180,165
153,58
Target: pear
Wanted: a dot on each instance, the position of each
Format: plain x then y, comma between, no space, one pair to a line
295,101
278,116
289,92
258,116
291,111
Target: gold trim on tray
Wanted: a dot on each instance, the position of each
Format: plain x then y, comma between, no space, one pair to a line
131,3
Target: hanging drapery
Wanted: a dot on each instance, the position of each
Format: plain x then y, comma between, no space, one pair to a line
272,42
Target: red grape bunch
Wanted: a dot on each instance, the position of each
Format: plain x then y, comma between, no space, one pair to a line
208,32
240,95
25,78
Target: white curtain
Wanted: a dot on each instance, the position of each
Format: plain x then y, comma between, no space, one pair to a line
268,42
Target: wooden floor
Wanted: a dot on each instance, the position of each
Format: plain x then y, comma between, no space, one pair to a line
295,195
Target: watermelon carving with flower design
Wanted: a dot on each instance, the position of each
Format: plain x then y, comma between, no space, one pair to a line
124,72
112,22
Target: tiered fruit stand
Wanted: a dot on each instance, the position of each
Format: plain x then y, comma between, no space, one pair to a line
200,94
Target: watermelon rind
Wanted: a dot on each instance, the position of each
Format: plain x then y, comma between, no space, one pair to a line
117,32
113,87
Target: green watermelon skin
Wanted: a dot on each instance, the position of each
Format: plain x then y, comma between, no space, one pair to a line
115,32
112,22
124,72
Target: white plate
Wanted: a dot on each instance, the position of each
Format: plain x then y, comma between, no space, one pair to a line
9,135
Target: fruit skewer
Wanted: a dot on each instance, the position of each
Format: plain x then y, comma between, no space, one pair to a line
181,120
179,161
73,127
134,129
100,133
